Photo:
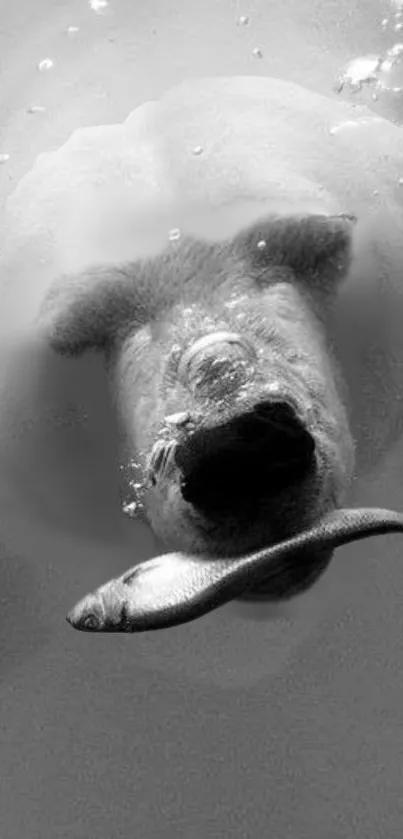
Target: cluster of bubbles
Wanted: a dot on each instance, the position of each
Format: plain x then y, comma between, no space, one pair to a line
377,80
132,488
135,479
378,73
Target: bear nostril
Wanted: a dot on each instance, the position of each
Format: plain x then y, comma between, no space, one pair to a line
252,457
217,364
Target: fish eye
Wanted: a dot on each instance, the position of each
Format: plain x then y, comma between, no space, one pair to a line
91,622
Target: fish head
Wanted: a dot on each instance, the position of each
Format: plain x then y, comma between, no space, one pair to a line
103,610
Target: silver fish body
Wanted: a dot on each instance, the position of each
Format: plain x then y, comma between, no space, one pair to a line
174,588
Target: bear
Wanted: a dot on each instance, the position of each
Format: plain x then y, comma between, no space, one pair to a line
245,297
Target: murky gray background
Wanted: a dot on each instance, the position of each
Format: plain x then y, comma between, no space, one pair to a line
251,722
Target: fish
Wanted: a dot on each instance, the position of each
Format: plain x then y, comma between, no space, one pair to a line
175,588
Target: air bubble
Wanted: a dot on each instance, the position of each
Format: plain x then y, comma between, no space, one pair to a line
274,388
174,234
136,485
243,20
197,150
180,418
257,52
45,64
396,50
98,5
133,488
4,158
360,71
376,78
130,509
262,245
72,30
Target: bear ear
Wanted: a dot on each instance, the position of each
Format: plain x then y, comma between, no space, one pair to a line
316,247
90,310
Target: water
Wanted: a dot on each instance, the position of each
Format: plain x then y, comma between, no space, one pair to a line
302,703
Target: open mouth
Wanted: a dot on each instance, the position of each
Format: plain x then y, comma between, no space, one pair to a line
233,474
230,468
